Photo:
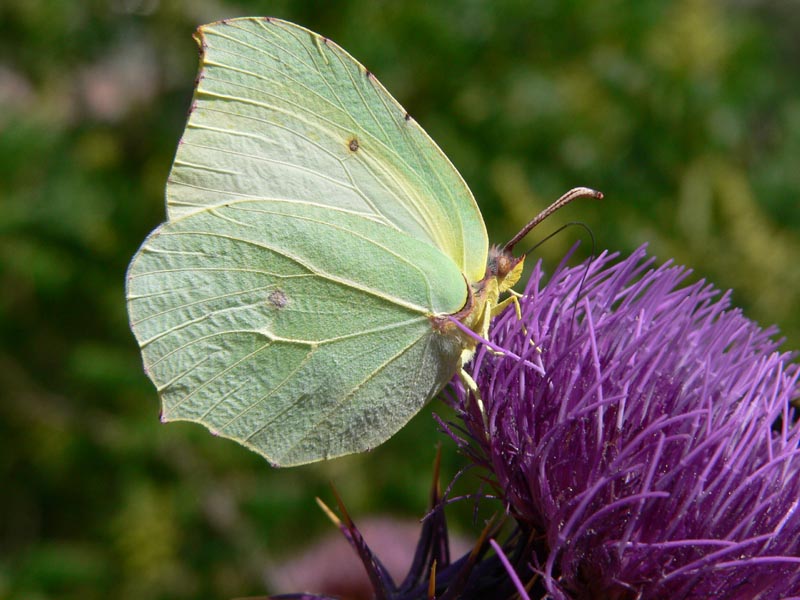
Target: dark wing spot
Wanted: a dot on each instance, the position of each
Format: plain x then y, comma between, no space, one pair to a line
278,299
408,117
353,144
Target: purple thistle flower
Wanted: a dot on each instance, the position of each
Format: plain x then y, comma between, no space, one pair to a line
645,439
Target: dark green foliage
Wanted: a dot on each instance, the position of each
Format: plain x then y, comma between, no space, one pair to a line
685,114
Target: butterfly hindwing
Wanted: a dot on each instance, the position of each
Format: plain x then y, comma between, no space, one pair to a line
251,326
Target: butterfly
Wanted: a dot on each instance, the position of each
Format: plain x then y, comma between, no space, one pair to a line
321,259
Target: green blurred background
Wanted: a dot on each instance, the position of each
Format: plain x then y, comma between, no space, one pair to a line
686,114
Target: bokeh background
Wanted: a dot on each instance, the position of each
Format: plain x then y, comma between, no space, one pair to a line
685,113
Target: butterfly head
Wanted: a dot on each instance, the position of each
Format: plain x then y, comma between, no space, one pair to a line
504,268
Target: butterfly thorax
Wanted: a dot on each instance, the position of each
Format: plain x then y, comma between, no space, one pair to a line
503,270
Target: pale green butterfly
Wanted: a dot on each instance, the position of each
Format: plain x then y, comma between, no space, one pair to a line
298,298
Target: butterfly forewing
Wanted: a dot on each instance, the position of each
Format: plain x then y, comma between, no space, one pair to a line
281,112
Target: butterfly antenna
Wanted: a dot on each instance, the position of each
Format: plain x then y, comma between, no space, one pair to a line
592,255
574,193
559,230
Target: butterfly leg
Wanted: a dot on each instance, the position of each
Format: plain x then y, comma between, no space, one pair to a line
472,388
501,306
512,299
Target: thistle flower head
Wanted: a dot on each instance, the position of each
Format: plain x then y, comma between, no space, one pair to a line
642,429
